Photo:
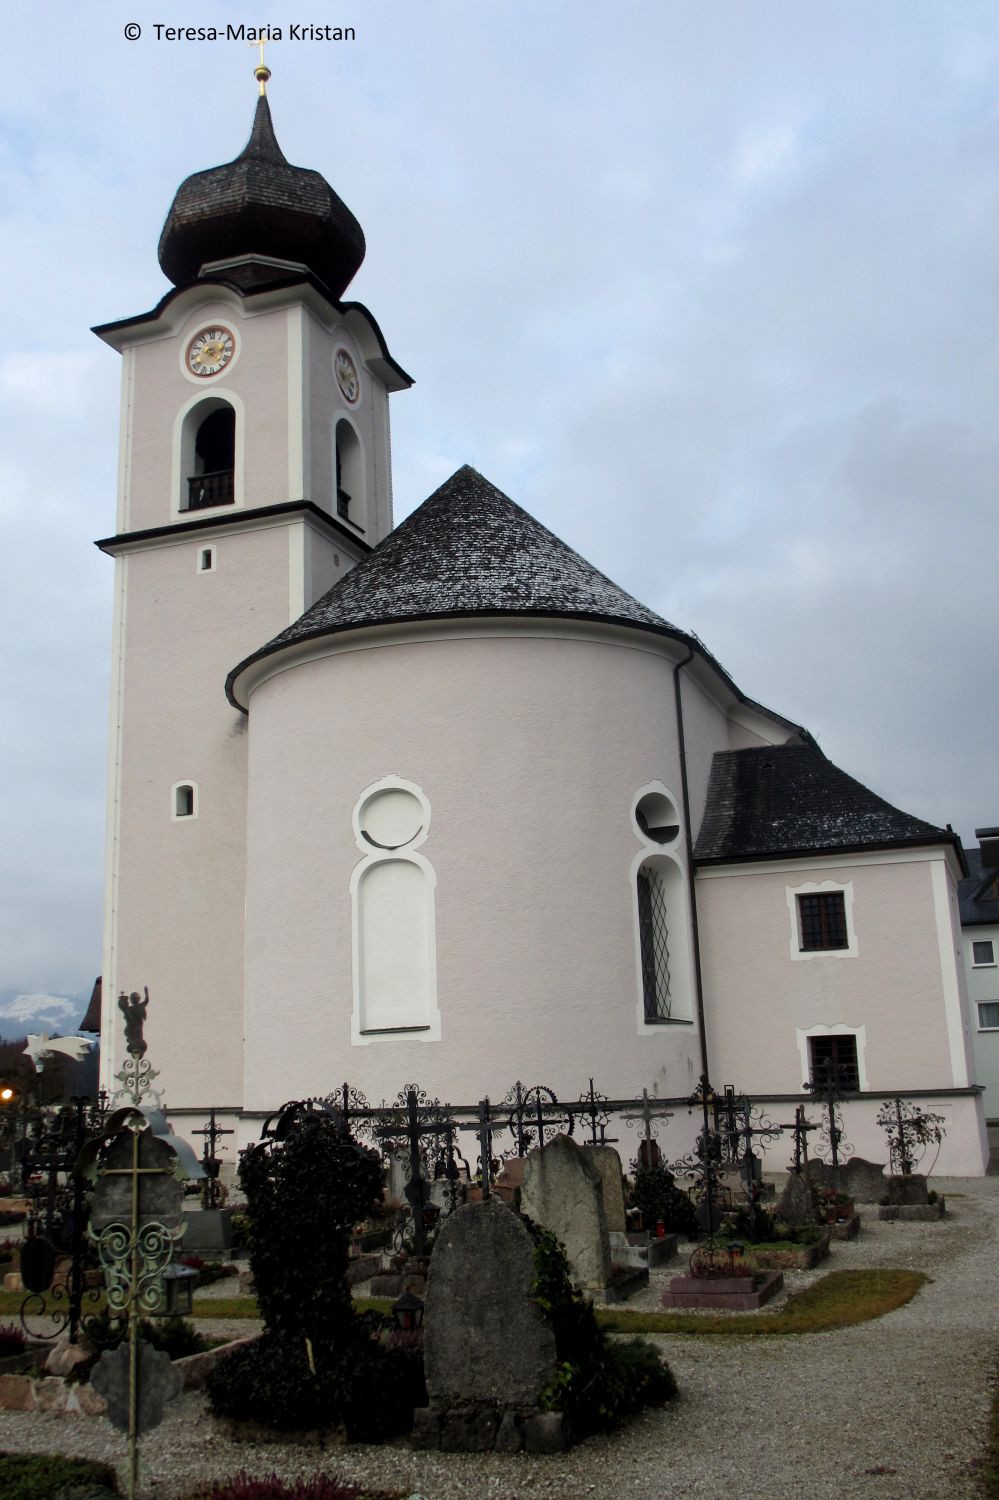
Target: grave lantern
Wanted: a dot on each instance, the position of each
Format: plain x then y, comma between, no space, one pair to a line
178,1291
407,1311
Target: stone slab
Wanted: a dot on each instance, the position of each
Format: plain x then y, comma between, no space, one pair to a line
863,1181
908,1192
484,1339
207,1229
608,1164
707,1294
622,1285
846,1229
798,1204
548,1432
913,1213
802,1258
426,1430
563,1192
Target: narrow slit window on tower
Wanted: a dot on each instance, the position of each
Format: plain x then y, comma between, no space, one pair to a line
213,480
653,933
206,559
183,800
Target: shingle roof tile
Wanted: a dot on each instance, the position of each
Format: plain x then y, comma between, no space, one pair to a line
789,799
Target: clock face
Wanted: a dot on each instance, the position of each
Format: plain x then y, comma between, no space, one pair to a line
210,351
346,375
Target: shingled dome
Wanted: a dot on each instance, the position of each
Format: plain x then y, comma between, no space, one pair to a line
468,550
261,205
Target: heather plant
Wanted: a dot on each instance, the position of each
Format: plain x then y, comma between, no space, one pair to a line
42,1476
12,1340
245,1486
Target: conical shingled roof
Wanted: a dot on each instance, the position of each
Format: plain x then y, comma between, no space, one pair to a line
261,205
467,550
789,799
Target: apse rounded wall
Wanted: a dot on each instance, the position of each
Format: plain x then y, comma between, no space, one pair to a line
528,752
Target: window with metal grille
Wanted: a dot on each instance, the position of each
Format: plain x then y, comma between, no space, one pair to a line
822,921
653,932
833,1062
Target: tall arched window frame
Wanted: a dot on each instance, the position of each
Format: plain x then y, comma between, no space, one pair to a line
661,913
208,453
348,469
393,918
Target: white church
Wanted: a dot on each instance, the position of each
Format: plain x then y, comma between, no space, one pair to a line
440,803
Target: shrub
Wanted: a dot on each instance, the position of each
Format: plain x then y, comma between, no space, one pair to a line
598,1383
269,1487
176,1337
12,1340
318,1363
657,1197
43,1476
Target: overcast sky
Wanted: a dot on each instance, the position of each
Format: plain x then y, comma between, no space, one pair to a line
711,288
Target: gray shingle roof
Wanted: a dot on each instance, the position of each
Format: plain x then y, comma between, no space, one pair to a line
789,799
977,909
467,550
260,204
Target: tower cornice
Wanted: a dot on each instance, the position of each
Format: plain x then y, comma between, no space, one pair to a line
169,315
234,521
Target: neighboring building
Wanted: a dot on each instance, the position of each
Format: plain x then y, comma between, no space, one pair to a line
979,897
441,803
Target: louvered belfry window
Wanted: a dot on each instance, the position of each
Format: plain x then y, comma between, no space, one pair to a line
654,935
822,921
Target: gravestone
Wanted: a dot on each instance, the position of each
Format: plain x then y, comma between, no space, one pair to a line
563,1192
905,1192
160,1195
863,1181
608,1164
798,1204
487,1351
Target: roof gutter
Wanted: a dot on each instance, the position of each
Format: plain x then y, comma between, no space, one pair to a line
695,932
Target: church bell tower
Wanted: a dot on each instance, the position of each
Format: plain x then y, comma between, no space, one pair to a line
254,472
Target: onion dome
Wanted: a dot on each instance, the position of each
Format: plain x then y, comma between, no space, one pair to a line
260,206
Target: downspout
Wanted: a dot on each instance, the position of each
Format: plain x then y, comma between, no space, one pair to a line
698,987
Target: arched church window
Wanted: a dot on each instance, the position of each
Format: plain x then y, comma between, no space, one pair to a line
392,893
184,800
662,912
212,464
654,938
350,504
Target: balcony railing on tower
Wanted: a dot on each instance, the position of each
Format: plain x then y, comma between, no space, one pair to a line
204,490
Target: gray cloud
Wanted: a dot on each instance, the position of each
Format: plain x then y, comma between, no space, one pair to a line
709,289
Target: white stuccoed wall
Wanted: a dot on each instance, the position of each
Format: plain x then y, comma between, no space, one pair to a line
531,749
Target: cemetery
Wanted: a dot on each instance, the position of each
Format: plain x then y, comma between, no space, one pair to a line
428,1275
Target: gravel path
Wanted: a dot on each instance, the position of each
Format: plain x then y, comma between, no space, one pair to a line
895,1409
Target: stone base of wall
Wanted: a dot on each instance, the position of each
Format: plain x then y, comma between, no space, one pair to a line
53,1393
50,1393
913,1212
470,1429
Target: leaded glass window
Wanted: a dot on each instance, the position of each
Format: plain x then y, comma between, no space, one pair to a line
653,928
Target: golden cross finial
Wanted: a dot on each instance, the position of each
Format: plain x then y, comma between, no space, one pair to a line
261,72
